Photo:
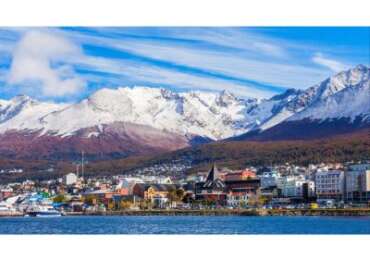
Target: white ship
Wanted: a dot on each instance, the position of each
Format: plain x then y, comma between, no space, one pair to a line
43,211
43,208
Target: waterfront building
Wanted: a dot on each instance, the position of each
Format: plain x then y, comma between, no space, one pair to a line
76,203
213,189
250,185
152,192
159,201
237,199
269,179
240,175
126,185
297,187
357,183
122,191
70,179
329,184
243,189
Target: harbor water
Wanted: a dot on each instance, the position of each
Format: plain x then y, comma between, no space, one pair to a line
185,225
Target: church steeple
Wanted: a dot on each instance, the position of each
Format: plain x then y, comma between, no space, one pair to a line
213,173
212,181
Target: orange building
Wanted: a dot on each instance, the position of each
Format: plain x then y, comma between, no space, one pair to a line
240,175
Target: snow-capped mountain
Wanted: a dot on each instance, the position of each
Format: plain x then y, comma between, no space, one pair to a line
24,113
153,119
345,95
118,123
339,104
210,115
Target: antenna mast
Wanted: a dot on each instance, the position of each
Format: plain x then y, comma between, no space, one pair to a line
77,169
82,164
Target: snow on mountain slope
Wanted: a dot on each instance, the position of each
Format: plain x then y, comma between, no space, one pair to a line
22,113
3,103
211,115
345,95
273,111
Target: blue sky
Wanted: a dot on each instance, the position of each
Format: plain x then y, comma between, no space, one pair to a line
68,64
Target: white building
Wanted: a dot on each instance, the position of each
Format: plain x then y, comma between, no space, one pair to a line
164,180
269,179
357,182
296,187
156,179
70,179
237,199
159,201
329,184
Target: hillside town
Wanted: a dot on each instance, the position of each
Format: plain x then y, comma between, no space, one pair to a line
279,187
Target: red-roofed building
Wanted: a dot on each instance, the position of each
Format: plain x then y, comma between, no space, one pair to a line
240,175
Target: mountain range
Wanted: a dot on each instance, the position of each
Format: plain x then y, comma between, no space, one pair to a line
123,122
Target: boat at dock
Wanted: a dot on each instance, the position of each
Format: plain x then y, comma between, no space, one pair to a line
41,207
43,211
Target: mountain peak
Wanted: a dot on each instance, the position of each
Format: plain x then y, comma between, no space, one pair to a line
226,98
225,92
287,93
344,95
168,94
21,98
359,72
361,67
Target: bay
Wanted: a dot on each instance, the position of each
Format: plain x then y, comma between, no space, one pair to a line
185,225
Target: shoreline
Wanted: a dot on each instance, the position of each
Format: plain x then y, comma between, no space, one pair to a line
222,212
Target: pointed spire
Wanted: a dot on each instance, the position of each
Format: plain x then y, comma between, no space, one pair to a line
213,182
213,173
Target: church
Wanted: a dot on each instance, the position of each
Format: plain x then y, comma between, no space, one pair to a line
213,189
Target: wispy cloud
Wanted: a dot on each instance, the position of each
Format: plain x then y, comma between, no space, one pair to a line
71,62
147,74
241,66
236,62
332,64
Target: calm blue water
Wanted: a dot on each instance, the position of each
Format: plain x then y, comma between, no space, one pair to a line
185,225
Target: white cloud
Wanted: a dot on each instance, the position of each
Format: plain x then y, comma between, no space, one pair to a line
42,57
234,38
179,79
192,82
263,71
277,71
256,59
333,65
